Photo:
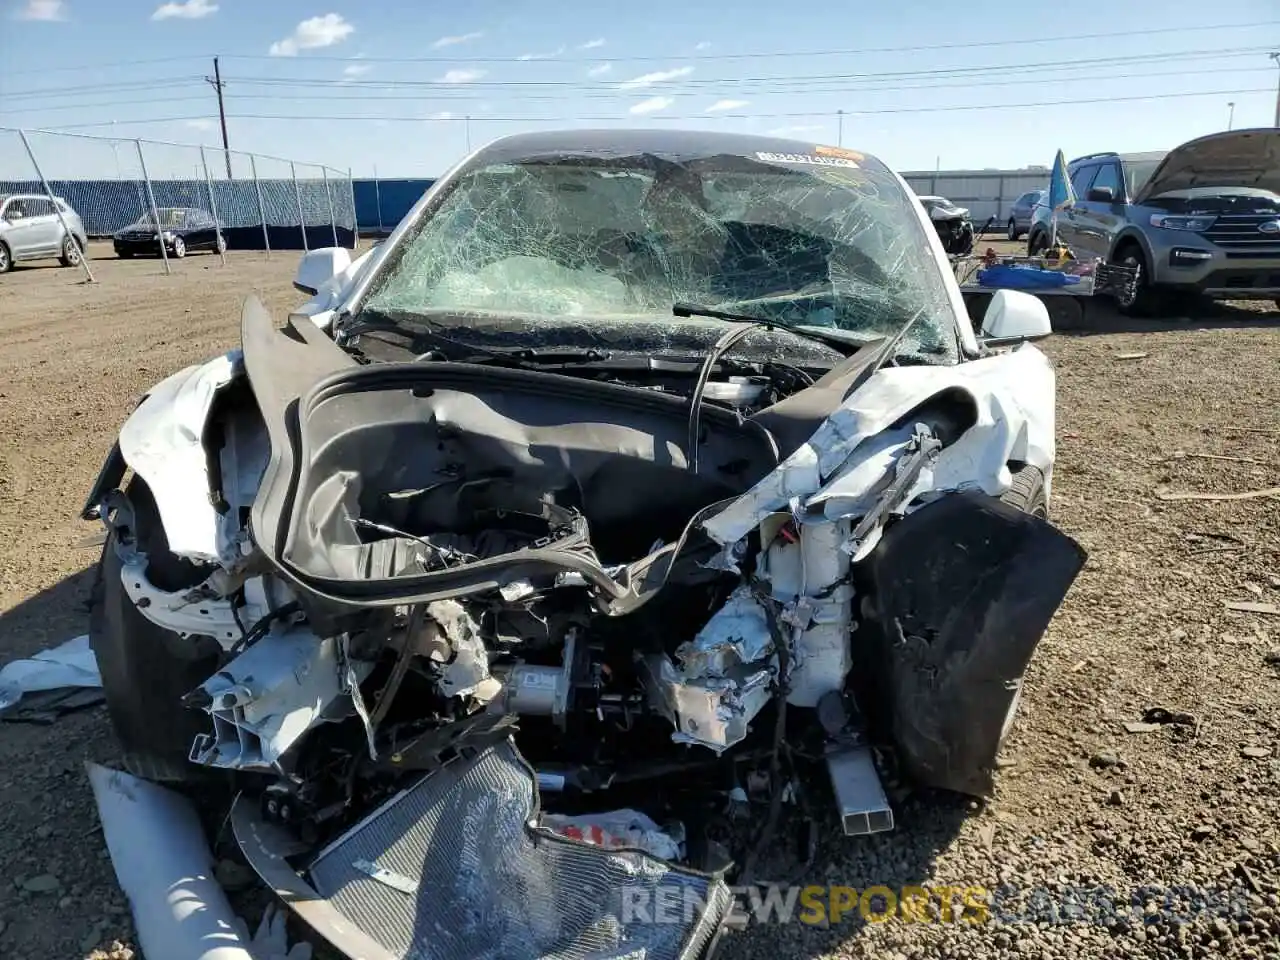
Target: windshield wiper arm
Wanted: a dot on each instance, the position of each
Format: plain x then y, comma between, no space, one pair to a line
840,343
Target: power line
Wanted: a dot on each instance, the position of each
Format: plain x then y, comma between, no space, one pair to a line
826,114
848,51
124,85
655,58
361,97
479,84
952,72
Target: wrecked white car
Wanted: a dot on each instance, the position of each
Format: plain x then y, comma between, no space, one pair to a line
638,482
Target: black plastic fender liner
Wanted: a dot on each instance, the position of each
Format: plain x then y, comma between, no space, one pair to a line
282,364
956,597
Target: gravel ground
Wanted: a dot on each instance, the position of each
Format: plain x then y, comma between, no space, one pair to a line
1082,804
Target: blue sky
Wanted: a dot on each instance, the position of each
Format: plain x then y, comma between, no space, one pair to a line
388,83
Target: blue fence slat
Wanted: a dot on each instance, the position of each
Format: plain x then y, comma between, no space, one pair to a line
106,206
381,204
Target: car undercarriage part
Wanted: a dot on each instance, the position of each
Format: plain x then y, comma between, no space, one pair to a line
860,800
451,867
264,700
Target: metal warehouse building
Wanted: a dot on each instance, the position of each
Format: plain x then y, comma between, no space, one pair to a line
987,193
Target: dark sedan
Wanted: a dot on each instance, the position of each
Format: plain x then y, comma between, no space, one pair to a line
183,229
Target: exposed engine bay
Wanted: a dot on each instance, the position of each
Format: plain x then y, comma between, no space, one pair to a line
434,569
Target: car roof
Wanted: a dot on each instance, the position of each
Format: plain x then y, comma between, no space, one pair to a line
674,145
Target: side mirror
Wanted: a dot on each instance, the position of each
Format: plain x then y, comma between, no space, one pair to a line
1013,315
318,267
1101,195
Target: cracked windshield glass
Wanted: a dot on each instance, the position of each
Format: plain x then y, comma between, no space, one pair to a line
799,244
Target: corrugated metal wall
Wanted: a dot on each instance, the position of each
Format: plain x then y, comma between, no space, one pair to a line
987,193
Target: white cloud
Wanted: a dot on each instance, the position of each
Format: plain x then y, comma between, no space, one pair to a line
652,105
541,56
312,34
659,76
790,131
356,70
460,38
702,45
43,10
443,115
722,105
600,70
462,76
592,44
200,124
188,10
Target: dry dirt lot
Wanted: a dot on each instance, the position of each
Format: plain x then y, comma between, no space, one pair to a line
1082,801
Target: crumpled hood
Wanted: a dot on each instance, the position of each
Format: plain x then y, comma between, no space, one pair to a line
1241,158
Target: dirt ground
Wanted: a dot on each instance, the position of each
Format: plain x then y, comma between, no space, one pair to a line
1146,410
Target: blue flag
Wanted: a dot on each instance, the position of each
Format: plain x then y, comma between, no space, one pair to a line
1061,196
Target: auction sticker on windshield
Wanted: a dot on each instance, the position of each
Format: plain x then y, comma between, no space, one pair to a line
805,158
824,151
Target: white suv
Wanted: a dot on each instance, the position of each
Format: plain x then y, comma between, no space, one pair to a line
30,229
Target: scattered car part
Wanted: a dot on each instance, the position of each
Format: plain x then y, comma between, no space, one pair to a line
165,869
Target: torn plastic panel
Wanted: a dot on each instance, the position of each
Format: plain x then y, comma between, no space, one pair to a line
1012,398
957,595
268,697
163,441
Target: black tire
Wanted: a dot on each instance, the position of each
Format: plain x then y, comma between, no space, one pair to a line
1013,229
1027,492
71,252
6,261
1147,300
146,670
124,254
1037,243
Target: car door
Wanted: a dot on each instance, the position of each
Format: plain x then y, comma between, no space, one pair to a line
1103,218
1070,223
202,231
42,221
21,234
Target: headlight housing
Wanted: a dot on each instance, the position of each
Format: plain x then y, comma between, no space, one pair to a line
168,234
1171,222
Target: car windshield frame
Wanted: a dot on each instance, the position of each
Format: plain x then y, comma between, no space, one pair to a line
879,271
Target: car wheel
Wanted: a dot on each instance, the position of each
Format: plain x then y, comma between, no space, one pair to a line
179,249
124,254
147,670
1037,243
1146,299
1013,229
1026,493
71,252
6,261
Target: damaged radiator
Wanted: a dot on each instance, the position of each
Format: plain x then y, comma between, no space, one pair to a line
454,869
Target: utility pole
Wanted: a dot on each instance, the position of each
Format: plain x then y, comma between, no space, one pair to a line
839,128
1231,113
1276,58
217,84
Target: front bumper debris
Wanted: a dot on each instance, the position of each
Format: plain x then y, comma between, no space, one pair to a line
456,866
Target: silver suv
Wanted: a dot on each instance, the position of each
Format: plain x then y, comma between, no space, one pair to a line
30,230
1203,218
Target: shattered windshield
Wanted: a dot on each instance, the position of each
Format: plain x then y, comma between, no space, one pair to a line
593,238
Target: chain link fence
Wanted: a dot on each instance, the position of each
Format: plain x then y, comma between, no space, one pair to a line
134,192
